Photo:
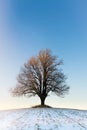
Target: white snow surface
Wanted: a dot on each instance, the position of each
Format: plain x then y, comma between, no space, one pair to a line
43,119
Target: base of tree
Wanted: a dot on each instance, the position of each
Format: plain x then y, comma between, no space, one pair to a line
41,106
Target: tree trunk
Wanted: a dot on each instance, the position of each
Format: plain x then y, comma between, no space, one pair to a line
42,101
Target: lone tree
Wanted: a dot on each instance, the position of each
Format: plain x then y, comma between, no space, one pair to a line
41,75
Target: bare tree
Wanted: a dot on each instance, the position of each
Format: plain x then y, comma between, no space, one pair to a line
41,75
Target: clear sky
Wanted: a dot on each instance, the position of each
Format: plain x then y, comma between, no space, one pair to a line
26,26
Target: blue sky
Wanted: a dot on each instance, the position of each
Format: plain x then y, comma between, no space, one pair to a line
26,26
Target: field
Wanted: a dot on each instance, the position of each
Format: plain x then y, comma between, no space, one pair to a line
43,119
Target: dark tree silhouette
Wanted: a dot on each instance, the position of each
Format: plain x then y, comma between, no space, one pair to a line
41,75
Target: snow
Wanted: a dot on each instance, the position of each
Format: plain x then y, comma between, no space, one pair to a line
43,119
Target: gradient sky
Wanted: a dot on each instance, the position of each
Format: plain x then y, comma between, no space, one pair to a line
26,26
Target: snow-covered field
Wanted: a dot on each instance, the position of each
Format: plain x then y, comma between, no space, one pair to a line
43,119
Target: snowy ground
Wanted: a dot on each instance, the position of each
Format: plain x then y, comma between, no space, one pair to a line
43,119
